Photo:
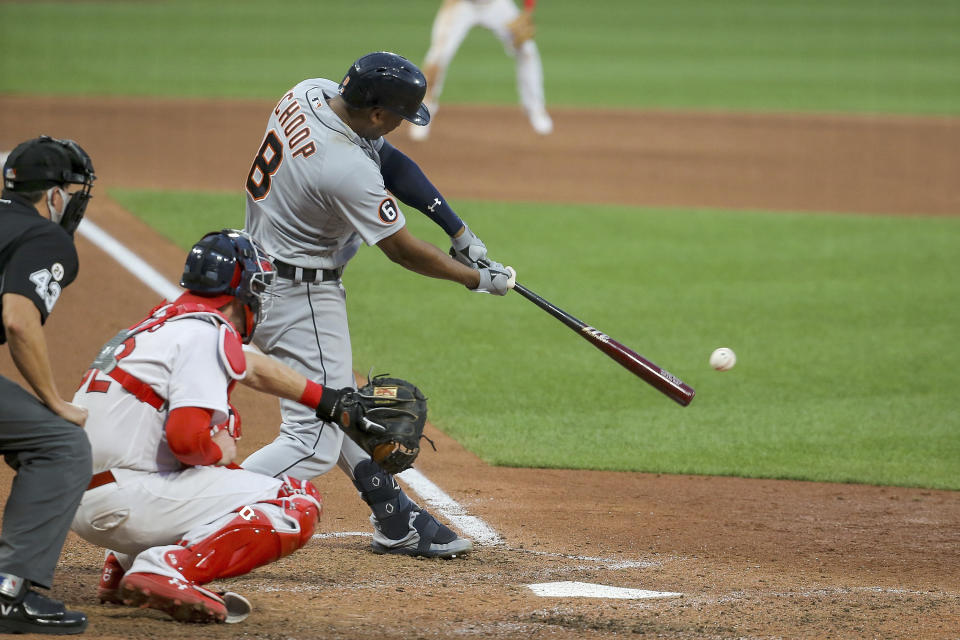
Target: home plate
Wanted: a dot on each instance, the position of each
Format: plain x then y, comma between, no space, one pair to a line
588,590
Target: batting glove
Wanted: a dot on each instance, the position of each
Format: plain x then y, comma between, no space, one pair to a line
496,279
468,248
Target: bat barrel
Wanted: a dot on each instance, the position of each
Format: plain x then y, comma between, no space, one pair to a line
659,378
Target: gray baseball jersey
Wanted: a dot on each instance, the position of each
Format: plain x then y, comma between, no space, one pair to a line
315,192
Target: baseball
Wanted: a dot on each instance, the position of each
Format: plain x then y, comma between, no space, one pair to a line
723,359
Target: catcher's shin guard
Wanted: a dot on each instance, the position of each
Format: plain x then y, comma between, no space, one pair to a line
251,537
400,525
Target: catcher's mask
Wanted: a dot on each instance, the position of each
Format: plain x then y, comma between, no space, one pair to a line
46,163
230,263
387,80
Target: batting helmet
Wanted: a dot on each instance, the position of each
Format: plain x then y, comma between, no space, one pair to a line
231,263
386,80
45,162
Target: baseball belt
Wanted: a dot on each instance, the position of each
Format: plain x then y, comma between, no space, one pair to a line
100,479
311,276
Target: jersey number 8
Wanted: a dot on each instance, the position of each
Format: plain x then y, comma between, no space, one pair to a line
272,147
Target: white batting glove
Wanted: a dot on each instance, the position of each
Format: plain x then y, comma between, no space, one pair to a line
468,248
496,279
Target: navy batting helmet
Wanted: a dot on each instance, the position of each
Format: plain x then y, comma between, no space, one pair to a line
231,263
45,162
386,80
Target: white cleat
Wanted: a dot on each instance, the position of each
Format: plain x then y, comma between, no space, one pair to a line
419,134
540,121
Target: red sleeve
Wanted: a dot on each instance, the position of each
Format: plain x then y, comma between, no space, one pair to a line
529,4
188,436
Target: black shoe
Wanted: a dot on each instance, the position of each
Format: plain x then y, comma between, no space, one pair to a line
35,613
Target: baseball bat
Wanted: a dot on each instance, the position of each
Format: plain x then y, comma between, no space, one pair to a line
657,377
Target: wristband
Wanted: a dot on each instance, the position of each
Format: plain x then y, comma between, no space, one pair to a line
312,394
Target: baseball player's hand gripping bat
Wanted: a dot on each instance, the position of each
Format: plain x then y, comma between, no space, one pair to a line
660,379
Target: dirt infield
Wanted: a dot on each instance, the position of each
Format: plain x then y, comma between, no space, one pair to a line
751,558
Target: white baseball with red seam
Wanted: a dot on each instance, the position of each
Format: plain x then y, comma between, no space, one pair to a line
723,359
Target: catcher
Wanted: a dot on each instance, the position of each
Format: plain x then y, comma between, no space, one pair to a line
166,498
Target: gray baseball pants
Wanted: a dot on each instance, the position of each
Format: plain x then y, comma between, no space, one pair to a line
53,463
306,328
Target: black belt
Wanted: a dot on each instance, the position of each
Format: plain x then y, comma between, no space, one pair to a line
299,274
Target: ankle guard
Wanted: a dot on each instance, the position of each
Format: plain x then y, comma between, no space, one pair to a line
389,504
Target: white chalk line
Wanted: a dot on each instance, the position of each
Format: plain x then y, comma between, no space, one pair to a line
436,499
129,260
599,563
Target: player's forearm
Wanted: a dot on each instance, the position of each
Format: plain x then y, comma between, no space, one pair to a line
426,259
269,375
28,348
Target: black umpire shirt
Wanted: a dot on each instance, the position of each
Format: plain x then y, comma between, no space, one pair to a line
37,257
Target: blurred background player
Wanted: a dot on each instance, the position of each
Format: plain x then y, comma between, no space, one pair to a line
515,30
166,498
46,186
323,183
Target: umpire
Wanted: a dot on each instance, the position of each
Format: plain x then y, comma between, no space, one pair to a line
46,186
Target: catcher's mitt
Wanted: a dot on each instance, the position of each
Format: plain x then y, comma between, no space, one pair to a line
386,418
522,28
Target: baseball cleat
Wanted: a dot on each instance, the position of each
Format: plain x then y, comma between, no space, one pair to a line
419,134
181,600
31,612
431,539
110,576
540,121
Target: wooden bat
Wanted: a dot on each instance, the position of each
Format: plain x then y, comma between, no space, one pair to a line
660,379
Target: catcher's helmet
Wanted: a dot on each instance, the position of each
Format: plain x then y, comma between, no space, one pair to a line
231,263
45,162
386,80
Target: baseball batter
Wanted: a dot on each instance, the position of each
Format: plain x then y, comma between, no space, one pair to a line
323,182
514,28
166,498
46,186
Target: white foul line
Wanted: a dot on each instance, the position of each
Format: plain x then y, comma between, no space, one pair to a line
471,526
436,498
129,260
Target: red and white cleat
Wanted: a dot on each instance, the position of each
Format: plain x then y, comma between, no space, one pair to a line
109,588
178,598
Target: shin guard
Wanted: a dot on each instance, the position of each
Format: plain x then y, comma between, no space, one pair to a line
250,537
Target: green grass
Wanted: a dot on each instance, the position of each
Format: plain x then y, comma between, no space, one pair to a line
808,55
845,330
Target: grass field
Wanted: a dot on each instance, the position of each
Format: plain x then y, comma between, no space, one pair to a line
822,55
841,373
845,326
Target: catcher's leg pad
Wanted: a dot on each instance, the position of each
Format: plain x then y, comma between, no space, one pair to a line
390,505
251,537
